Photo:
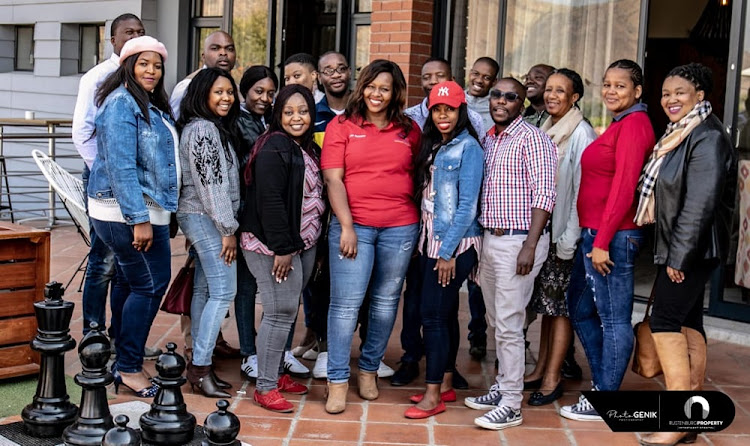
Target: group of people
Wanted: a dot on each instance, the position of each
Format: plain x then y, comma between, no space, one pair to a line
272,186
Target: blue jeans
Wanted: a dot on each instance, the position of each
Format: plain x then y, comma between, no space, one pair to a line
100,270
601,307
146,274
478,321
383,254
439,312
244,305
215,284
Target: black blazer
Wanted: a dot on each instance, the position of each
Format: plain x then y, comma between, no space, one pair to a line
273,206
695,194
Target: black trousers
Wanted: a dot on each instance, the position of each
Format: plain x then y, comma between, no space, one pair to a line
678,305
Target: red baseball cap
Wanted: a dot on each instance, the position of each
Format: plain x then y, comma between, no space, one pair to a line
448,93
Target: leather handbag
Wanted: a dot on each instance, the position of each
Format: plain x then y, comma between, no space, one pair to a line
645,359
180,293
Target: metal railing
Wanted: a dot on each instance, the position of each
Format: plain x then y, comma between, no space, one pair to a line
25,194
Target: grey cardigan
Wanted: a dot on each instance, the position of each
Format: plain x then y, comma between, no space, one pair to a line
565,228
210,176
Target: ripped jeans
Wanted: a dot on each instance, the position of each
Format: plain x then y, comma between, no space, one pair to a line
383,255
601,307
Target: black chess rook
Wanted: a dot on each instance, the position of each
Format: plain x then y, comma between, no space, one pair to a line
221,427
168,422
51,410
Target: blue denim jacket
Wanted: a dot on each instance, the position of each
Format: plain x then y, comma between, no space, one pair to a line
133,158
457,179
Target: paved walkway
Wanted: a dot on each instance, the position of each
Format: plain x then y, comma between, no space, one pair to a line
381,422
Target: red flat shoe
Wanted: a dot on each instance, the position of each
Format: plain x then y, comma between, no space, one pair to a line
287,385
273,401
448,396
416,413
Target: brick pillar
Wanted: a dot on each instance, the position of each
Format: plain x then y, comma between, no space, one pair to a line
402,32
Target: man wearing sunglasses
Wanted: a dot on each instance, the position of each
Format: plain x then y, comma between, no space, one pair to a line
518,194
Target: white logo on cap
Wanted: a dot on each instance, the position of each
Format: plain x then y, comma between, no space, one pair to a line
443,91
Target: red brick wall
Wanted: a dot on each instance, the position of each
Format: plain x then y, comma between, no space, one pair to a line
402,32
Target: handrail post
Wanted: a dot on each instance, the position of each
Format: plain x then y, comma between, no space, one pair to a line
51,198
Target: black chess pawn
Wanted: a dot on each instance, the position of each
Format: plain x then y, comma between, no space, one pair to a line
168,422
51,410
94,419
122,435
221,427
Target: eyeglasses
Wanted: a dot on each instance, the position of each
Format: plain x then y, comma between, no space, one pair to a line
508,95
341,69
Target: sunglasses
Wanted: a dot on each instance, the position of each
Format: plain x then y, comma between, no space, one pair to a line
508,95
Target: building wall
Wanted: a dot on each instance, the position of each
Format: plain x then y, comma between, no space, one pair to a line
50,90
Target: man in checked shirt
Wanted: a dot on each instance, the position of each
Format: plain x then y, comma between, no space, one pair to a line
518,193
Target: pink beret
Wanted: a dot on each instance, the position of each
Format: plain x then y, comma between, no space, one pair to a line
141,44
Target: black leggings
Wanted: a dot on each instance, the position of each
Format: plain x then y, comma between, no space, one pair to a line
678,305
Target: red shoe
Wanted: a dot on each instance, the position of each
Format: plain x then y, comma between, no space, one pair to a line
416,413
286,384
273,401
448,396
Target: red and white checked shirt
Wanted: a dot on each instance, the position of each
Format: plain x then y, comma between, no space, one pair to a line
520,165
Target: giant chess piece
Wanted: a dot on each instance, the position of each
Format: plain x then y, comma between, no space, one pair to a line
168,422
221,427
122,435
51,409
94,419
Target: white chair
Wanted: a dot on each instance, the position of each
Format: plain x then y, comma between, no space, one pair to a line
71,193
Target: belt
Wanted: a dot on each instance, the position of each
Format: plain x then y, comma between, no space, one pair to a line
499,232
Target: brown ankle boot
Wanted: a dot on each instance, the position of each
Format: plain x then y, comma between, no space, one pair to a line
336,397
697,353
202,378
368,385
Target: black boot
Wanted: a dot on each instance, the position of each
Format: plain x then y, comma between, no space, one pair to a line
405,374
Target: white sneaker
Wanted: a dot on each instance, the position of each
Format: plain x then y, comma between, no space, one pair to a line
311,354
249,367
293,367
320,369
384,371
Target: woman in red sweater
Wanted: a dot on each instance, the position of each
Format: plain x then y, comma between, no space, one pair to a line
600,295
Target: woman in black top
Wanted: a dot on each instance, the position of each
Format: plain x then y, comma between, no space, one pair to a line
688,192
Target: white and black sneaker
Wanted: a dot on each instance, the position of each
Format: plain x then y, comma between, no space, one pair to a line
293,367
581,411
249,367
485,402
500,418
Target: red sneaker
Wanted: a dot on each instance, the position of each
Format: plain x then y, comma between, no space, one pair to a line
273,401
286,384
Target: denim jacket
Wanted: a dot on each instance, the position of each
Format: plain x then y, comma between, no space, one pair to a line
133,158
457,179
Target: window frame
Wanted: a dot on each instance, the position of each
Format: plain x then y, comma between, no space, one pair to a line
16,46
100,33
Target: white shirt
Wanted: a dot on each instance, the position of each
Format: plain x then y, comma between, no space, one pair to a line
85,111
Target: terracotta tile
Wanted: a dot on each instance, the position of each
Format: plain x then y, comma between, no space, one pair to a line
729,440
307,442
259,441
396,433
598,438
247,407
265,427
737,393
740,425
458,415
522,436
585,425
540,418
463,435
328,430
390,413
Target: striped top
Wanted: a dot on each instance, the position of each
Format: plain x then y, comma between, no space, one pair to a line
313,207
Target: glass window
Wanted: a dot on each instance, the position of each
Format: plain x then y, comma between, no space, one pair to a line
362,50
364,6
91,47
250,33
24,57
201,34
583,36
481,31
211,8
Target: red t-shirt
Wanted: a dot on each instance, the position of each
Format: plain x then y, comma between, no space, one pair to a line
610,168
378,169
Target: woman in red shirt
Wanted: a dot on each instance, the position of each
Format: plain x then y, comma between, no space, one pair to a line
600,295
368,166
